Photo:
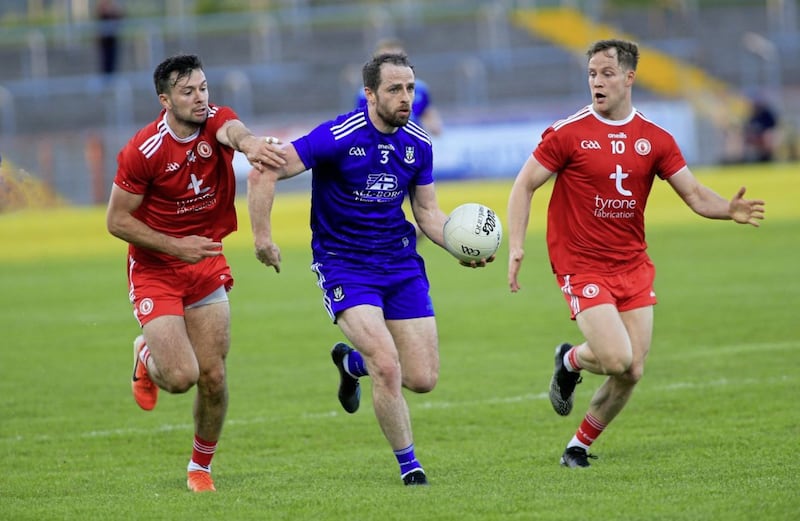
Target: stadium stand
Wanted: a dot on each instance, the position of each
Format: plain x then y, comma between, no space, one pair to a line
301,59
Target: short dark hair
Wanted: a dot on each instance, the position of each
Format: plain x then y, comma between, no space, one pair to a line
627,52
184,64
371,72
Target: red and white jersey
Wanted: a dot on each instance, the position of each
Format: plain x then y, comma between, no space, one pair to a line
605,170
188,184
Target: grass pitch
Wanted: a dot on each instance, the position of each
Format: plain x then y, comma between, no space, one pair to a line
711,432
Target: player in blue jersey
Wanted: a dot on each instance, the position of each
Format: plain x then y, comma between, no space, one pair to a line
422,110
374,284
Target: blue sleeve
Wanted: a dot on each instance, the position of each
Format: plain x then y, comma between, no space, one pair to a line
361,99
422,98
316,147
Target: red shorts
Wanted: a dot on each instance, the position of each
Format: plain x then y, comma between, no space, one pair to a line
627,290
156,291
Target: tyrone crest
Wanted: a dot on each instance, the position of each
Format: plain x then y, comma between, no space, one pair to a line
642,146
204,150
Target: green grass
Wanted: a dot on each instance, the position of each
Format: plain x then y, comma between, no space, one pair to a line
711,433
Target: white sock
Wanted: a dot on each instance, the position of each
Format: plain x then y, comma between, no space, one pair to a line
194,466
567,364
575,442
144,354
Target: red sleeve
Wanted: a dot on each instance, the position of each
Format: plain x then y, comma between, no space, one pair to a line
132,173
218,117
551,151
672,160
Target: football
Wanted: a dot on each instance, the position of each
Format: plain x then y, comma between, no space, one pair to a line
472,232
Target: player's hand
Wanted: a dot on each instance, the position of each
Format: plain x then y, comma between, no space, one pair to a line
514,264
746,211
477,264
269,255
264,151
193,248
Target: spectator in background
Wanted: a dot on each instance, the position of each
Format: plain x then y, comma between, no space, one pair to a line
109,16
422,110
760,133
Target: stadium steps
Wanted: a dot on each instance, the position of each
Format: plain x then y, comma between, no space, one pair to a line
660,73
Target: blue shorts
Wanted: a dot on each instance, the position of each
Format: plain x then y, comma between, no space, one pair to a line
401,289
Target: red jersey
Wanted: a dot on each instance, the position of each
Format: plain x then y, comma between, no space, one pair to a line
605,170
188,184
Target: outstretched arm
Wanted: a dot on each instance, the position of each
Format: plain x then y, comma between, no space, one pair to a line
260,198
706,202
261,151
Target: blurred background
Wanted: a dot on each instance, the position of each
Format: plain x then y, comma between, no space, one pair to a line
76,77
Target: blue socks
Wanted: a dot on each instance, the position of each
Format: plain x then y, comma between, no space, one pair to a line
354,364
408,462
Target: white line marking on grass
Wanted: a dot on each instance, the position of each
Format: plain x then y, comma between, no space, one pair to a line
488,401
434,404
708,351
427,405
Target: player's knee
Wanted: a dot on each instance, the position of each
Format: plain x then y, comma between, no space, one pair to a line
212,381
634,373
387,372
421,383
617,364
179,381
179,384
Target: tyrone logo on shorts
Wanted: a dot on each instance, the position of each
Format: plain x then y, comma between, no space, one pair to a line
591,290
146,306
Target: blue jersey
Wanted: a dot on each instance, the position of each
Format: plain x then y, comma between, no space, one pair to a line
422,99
360,178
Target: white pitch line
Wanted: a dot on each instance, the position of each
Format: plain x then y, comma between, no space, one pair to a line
426,405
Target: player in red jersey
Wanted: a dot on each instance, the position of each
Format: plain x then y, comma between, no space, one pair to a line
606,157
173,203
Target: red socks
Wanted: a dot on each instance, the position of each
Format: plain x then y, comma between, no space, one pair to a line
572,360
589,430
203,451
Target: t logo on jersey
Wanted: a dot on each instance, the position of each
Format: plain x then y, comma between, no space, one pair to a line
381,182
618,176
195,185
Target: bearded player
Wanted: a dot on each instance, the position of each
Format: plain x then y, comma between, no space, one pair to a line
173,203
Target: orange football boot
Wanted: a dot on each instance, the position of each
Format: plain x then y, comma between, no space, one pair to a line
200,481
145,392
